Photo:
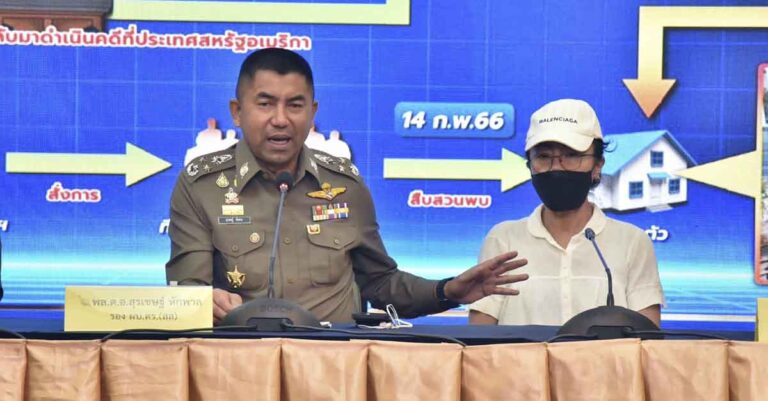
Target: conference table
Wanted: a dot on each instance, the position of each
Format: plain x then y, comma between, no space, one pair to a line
420,363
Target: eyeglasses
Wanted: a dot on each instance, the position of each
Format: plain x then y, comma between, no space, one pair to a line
570,161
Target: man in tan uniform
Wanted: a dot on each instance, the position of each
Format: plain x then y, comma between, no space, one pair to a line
223,213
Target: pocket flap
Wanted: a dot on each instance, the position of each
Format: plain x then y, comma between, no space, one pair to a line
236,241
334,236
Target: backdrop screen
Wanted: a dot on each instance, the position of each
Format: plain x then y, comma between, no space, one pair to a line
95,125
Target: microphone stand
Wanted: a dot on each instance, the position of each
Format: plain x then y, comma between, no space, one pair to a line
270,313
283,187
609,321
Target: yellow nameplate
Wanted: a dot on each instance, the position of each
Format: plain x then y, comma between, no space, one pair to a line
761,323
123,308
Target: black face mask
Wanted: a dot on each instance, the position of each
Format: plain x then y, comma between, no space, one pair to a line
562,190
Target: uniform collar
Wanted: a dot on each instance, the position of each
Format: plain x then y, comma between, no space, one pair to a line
537,229
248,167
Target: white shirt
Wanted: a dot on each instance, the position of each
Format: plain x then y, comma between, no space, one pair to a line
565,282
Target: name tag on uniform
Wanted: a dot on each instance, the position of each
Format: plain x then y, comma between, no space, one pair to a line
235,220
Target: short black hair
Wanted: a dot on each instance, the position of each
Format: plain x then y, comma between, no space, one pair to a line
281,61
600,148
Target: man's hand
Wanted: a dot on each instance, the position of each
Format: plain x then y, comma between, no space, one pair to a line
223,303
486,279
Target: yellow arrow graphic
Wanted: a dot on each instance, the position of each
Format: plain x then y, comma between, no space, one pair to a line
393,12
510,170
740,174
136,164
650,89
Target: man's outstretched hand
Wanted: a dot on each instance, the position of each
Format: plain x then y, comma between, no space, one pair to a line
486,279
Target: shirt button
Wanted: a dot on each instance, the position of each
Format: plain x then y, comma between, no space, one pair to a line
254,238
336,241
287,240
235,248
290,281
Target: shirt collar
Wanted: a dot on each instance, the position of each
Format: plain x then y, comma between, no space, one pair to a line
248,167
537,229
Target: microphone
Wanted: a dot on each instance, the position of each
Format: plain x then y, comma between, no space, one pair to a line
270,313
284,183
590,234
609,321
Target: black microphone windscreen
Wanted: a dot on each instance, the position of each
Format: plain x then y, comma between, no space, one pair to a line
589,234
284,178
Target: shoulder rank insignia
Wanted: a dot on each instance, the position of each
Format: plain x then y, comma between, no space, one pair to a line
193,169
235,278
210,163
219,159
326,192
338,165
325,158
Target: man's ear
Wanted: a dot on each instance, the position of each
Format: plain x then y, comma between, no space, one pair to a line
234,110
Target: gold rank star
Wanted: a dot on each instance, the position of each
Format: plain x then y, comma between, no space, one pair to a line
327,192
235,278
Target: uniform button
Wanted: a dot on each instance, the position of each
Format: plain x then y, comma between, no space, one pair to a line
254,238
290,281
235,248
336,241
287,240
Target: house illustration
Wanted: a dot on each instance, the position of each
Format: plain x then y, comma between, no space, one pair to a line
639,172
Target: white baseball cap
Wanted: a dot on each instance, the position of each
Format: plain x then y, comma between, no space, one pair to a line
570,122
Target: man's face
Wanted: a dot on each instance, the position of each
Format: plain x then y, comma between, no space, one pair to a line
275,113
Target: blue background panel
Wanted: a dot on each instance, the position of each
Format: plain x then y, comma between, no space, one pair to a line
523,53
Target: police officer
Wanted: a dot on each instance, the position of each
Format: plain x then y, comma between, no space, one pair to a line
223,213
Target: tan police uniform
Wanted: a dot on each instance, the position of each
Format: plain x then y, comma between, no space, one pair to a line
223,213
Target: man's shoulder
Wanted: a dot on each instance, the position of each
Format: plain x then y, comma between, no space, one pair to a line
334,164
208,164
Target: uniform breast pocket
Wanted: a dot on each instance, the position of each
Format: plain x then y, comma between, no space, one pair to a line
329,257
245,249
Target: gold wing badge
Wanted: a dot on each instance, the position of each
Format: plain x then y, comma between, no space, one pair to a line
326,192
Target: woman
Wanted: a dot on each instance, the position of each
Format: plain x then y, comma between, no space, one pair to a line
564,147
